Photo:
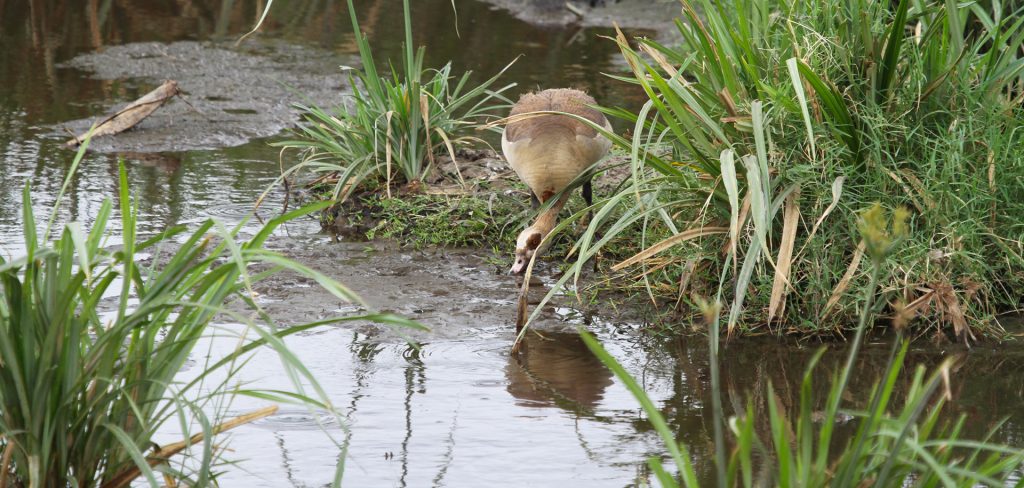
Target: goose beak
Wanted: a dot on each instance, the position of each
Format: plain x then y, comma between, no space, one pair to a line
518,267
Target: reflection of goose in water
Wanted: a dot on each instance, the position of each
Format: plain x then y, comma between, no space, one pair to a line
557,369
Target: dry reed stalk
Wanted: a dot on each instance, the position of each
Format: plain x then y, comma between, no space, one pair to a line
907,190
5,463
837,191
387,153
684,281
791,216
844,283
132,114
919,187
451,154
663,62
669,242
992,187
730,246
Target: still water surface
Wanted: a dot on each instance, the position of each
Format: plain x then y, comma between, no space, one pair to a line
461,412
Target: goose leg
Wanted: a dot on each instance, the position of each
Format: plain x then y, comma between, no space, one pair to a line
588,196
534,201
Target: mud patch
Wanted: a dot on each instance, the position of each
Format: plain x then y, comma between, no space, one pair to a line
234,95
457,293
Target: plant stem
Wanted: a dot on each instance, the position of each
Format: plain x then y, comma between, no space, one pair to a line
716,402
858,338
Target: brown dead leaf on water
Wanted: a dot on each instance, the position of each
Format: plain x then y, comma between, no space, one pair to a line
132,114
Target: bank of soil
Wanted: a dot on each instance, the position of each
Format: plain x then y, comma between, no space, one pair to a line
478,179
233,94
445,289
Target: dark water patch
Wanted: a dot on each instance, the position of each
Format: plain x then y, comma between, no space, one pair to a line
303,40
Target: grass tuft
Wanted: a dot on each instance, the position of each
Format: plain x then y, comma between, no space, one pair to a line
780,121
395,124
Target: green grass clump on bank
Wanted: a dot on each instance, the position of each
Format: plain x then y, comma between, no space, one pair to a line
489,220
774,123
436,220
395,124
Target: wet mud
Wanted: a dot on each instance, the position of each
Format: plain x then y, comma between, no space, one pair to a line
457,293
231,95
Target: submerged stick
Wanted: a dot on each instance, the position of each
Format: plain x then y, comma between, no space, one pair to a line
132,114
125,478
575,10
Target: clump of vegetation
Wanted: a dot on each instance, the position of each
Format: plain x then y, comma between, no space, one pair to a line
437,220
395,124
893,444
85,384
773,122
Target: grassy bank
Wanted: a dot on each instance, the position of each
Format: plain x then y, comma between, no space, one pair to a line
766,133
777,124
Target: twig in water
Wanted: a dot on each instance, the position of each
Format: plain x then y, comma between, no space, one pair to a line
125,478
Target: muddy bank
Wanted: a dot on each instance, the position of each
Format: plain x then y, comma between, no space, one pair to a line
233,95
457,293
477,185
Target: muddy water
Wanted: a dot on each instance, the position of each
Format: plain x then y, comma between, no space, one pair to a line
460,411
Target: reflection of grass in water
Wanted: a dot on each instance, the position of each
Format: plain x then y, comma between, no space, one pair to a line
83,393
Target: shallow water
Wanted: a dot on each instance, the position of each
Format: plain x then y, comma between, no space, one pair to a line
461,411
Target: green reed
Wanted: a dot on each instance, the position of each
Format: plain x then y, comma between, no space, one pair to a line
94,328
772,123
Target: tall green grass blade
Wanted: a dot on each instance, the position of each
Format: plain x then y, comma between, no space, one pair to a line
67,181
801,97
887,71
